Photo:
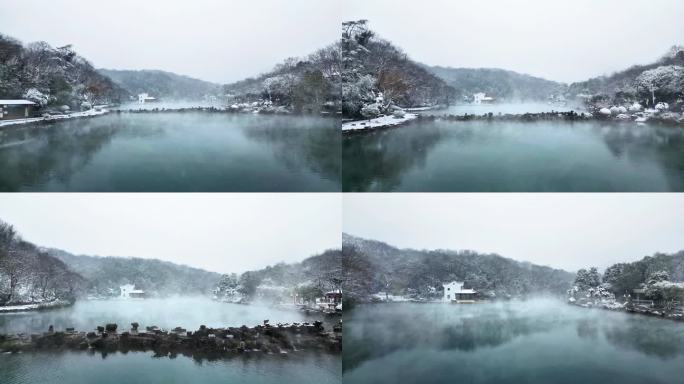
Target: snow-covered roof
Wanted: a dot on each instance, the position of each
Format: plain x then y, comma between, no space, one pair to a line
467,291
16,102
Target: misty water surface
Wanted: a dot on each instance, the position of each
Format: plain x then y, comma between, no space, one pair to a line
186,312
503,108
538,341
138,367
444,156
168,152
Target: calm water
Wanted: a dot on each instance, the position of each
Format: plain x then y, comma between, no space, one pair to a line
540,341
446,156
118,368
187,312
143,367
190,151
503,108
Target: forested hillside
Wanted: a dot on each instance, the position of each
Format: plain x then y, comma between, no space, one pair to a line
660,81
52,76
309,278
373,266
309,84
30,275
162,85
158,278
501,84
377,76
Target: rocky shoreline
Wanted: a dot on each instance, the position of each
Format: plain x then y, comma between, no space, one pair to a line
666,119
636,309
280,339
35,306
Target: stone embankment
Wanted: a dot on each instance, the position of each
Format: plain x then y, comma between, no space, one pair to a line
207,342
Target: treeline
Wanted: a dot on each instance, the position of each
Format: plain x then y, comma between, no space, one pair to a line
29,275
661,81
52,76
378,77
310,84
659,276
309,279
501,84
104,275
372,266
161,84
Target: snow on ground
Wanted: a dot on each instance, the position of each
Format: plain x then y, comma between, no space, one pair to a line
32,307
378,122
89,113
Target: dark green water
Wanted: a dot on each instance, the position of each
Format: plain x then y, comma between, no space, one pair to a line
118,368
535,342
173,152
440,156
188,312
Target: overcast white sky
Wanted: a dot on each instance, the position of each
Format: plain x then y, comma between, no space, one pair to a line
218,232
214,40
562,40
568,231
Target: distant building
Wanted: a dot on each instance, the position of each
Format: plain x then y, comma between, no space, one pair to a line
331,301
128,291
16,109
482,98
146,98
454,293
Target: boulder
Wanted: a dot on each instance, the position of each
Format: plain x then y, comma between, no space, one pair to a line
636,107
662,107
605,112
399,113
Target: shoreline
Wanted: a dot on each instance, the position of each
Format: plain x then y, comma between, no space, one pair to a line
639,310
384,121
266,339
51,119
35,307
569,116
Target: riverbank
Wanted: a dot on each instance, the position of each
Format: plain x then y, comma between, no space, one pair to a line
281,339
666,119
35,306
378,122
51,118
631,308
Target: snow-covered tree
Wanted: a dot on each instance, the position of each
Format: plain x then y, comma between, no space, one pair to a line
664,82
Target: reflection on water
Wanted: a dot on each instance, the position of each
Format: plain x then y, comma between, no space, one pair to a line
138,367
187,312
143,367
539,341
512,156
189,151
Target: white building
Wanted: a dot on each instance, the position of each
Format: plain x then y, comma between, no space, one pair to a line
128,291
454,293
146,98
482,98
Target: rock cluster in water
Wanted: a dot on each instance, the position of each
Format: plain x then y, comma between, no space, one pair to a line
204,342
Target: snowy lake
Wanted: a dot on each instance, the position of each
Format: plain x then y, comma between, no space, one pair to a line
535,342
186,312
173,152
503,108
139,367
546,156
